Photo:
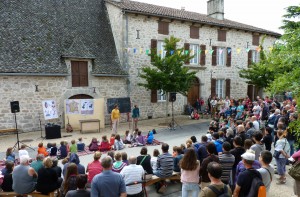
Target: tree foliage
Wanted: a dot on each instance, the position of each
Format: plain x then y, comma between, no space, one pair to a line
169,73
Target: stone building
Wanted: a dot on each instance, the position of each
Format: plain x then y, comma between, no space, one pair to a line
68,49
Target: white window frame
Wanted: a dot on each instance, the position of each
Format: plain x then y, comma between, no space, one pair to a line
161,96
220,88
221,57
255,56
161,48
194,48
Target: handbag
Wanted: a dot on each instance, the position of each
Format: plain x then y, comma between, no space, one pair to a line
294,171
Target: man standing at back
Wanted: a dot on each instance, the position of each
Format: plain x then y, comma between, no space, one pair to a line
108,183
244,180
115,116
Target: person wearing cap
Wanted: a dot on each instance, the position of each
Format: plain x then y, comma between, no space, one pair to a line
245,178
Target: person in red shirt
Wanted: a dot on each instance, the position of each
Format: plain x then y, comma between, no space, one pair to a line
104,145
42,150
94,168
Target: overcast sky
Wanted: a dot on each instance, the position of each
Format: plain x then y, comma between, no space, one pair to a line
266,14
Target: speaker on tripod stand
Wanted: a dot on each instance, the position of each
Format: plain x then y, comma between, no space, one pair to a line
14,106
173,123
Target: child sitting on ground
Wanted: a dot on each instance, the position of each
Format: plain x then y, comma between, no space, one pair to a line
127,138
53,150
112,140
119,145
93,145
42,149
140,139
150,137
104,145
73,147
10,156
195,115
63,150
80,145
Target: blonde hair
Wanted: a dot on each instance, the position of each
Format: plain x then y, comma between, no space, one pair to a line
97,155
47,162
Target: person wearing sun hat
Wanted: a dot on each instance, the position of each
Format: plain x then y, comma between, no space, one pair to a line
244,180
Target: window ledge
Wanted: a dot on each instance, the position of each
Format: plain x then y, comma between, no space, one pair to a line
196,67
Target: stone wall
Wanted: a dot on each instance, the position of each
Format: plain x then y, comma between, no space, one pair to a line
148,27
22,89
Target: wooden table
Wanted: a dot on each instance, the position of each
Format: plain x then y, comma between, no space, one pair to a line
89,125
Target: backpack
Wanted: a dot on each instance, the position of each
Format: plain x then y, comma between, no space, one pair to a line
257,189
220,193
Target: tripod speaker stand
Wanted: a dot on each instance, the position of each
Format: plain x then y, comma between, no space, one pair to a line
14,109
42,137
173,123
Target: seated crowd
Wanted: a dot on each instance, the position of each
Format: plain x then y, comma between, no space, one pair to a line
234,152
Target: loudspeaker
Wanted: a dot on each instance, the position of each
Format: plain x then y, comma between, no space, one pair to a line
172,96
14,106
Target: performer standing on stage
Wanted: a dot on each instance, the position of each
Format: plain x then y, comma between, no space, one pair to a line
115,116
135,117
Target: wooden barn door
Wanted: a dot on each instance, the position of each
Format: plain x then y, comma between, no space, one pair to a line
194,92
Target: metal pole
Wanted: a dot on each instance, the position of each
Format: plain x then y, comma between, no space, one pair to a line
17,131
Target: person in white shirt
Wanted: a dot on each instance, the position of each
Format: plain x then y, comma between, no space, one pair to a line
266,170
23,151
255,123
133,173
153,160
256,109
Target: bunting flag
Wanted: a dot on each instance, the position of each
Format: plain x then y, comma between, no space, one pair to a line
147,52
165,52
192,52
206,51
258,49
229,50
128,50
160,52
211,52
186,52
134,50
247,50
178,52
270,48
200,51
141,50
238,50
172,52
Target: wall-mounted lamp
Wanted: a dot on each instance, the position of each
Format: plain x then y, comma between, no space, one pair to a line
37,88
247,45
209,42
94,90
137,34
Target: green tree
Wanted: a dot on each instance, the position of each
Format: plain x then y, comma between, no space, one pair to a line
169,73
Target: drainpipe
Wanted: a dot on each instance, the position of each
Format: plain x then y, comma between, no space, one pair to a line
126,55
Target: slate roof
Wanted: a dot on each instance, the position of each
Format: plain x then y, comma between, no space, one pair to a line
161,11
37,36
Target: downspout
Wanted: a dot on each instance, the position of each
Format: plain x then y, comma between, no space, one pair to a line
126,55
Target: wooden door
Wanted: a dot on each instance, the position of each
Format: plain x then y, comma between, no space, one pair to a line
193,93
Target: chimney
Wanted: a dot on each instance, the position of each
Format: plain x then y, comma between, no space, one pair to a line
215,9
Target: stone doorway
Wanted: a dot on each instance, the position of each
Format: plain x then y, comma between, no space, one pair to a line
81,96
193,93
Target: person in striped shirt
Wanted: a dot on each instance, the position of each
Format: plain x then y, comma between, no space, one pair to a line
226,160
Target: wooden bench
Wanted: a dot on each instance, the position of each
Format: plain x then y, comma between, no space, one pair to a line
33,194
7,131
155,179
89,125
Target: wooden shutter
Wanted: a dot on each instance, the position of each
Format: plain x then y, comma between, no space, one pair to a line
213,87
160,27
221,35
228,59
187,47
163,27
255,40
153,49
214,56
194,32
227,93
202,55
153,96
83,70
75,74
249,57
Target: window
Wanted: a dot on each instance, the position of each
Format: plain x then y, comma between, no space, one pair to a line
161,49
163,27
221,35
221,56
79,70
194,49
161,95
255,56
220,88
255,40
194,32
